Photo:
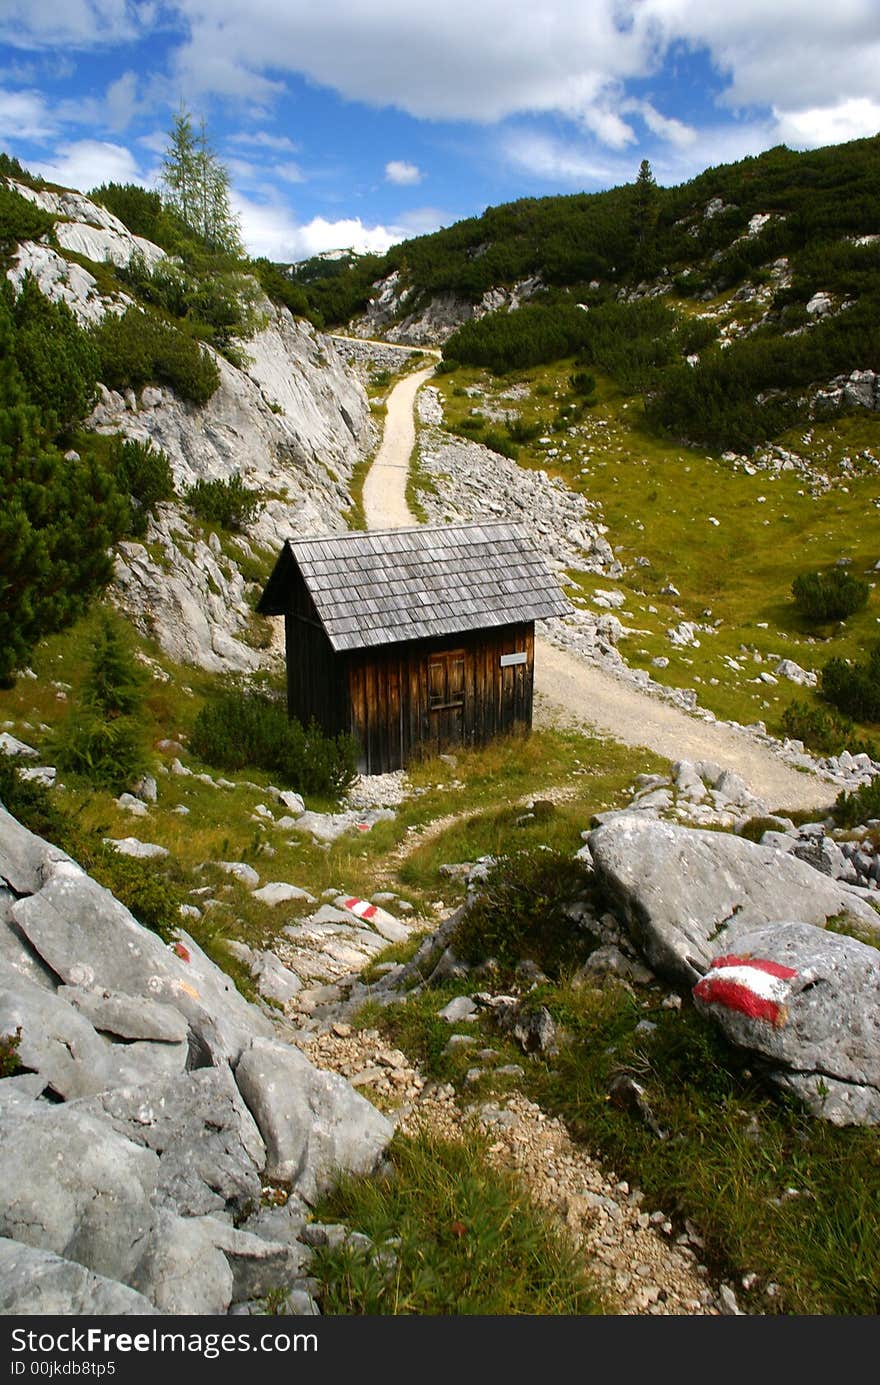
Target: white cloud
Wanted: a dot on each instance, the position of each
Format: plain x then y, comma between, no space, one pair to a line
668,128
820,125
23,115
490,61
34,24
262,139
561,161
87,163
122,101
289,172
403,173
272,230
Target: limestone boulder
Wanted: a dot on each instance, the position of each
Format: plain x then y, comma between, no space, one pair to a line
314,1124
38,1283
679,890
210,1150
70,1184
807,1002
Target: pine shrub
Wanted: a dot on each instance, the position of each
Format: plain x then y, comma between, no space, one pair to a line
854,688
103,739
138,349
859,806
231,503
143,472
820,728
239,730
522,912
831,595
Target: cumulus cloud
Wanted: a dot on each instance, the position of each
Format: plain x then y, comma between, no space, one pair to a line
564,56
34,24
270,228
87,163
820,125
24,115
405,174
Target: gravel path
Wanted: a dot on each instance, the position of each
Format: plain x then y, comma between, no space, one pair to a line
569,691
384,497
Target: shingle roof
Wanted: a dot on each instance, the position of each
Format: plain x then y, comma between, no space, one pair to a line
408,584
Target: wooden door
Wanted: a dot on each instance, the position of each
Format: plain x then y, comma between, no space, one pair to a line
446,697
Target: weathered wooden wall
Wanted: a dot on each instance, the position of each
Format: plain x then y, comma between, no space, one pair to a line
435,694
399,700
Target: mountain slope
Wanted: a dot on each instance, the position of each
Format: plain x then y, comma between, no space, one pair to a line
285,416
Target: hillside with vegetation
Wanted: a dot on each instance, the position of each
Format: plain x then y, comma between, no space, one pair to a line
574,1133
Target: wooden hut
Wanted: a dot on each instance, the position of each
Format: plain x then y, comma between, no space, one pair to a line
412,639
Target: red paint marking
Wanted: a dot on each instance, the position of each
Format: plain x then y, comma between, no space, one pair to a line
759,964
182,952
361,908
715,990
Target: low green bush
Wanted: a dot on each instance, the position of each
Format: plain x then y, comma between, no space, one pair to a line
522,912
109,754
21,219
231,503
146,892
583,383
831,595
822,729
239,730
854,688
103,739
138,349
859,806
143,472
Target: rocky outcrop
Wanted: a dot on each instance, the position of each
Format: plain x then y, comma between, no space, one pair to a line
807,1003
680,891
291,423
470,482
397,313
149,1105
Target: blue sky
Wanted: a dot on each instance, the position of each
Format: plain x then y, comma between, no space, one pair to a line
359,122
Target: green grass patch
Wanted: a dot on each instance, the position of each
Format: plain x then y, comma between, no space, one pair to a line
658,501
465,1241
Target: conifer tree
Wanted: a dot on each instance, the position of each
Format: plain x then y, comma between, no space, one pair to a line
196,186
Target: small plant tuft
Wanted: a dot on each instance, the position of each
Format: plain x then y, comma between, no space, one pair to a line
230,503
522,912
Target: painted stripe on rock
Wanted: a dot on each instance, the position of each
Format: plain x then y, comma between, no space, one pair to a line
361,907
753,986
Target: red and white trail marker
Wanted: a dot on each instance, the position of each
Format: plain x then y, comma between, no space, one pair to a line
755,986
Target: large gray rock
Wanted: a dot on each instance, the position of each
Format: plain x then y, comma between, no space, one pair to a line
679,890
38,1283
24,857
314,1124
72,1185
211,1152
90,940
62,1046
182,1270
127,1017
199,1265
807,1001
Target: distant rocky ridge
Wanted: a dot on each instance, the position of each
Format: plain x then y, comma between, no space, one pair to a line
394,314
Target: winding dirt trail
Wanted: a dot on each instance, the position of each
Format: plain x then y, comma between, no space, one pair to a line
384,497
569,691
